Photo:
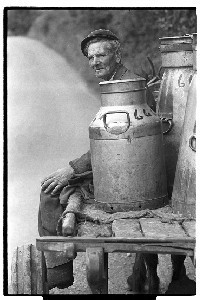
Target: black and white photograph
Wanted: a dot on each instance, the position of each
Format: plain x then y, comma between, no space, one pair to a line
100,150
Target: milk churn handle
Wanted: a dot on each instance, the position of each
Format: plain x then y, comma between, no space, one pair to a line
167,120
113,112
192,139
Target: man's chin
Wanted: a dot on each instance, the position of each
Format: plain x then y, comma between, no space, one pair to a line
100,74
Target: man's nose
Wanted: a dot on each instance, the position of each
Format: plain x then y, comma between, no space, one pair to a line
95,61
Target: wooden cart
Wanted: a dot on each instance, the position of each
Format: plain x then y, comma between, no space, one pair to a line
145,234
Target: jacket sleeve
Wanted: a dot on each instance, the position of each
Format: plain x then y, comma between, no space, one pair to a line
82,164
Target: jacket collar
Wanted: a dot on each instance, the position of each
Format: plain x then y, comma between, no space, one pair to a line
120,71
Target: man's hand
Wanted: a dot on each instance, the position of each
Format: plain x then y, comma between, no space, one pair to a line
57,180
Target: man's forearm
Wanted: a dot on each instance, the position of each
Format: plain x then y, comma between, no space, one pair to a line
82,164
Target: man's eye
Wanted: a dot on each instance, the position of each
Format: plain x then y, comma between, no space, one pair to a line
97,56
90,58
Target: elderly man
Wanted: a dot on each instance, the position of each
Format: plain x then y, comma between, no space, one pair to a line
102,48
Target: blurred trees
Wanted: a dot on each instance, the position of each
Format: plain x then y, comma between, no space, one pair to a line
20,21
139,31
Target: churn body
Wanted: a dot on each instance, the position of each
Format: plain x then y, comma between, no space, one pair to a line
126,144
184,190
177,63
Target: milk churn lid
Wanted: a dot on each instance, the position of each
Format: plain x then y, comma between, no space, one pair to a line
176,39
176,43
121,86
99,33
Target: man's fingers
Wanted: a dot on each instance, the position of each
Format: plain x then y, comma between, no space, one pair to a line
47,183
46,179
43,181
51,187
50,176
56,189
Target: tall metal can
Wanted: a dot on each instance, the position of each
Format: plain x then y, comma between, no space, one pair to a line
184,190
177,63
126,144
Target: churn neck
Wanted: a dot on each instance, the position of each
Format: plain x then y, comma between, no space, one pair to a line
176,51
176,40
123,92
194,47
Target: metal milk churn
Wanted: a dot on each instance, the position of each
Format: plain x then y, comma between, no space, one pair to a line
177,62
184,189
126,144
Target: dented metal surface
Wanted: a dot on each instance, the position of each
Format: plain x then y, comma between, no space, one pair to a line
126,145
178,72
184,191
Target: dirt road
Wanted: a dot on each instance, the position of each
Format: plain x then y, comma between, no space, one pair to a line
49,111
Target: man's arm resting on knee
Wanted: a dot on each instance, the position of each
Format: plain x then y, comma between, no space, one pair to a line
57,180
82,164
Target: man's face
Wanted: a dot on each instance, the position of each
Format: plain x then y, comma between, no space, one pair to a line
102,60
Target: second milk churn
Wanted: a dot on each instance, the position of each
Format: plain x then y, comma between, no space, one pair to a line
184,189
177,62
126,144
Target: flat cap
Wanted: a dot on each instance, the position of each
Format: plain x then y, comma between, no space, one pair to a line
99,33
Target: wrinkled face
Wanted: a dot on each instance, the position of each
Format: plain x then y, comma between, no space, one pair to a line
102,59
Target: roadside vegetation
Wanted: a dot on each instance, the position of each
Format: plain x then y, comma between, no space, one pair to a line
139,31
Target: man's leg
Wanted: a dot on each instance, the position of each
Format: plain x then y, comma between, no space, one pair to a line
180,283
59,267
151,261
178,266
136,281
144,278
